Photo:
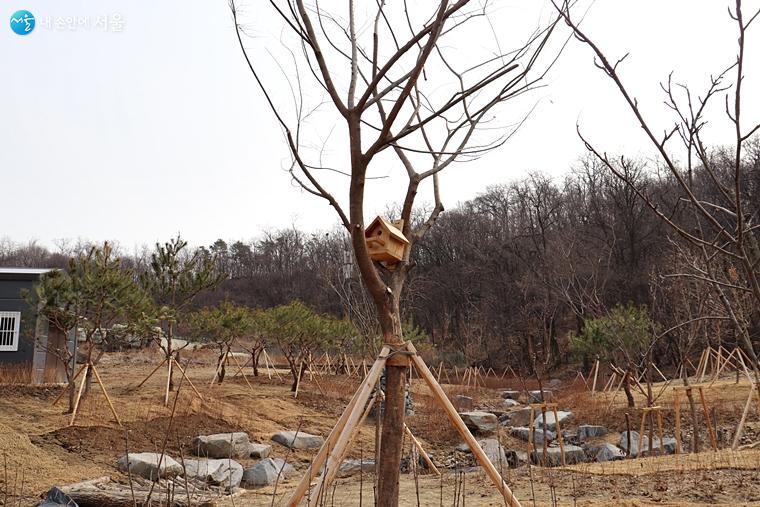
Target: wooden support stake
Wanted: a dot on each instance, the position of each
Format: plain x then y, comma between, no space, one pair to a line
333,460
711,430
456,420
244,377
79,395
596,372
360,398
677,411
740,426
105,393
151,373
641,436
184,374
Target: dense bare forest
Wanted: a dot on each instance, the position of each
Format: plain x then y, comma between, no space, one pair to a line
508,275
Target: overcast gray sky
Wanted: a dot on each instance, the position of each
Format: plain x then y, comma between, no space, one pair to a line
153,125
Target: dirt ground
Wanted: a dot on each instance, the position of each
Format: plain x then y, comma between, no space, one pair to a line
39,450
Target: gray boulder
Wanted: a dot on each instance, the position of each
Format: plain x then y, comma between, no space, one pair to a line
551,421
509,403
510,395
259,451
146,464
265,472
499,456
222,445
351,467
464,402
298,440
497,453
573,454
588,431
641,445
481,422
218,472
520,417
523,433
608,452
535,396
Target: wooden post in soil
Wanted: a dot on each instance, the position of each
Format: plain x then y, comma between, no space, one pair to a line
79,395
105,393
740,426
151,373
677,413
710,429
509,498
596,373
184,374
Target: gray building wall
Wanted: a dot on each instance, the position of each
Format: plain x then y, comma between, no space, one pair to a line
11,289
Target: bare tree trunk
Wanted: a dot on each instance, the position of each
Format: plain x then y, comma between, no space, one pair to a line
627,389
255,355
220,367
169,352
393,415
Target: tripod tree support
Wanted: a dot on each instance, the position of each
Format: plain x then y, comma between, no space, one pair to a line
331,453
91,367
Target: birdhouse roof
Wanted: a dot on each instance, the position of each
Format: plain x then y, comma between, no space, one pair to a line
392,230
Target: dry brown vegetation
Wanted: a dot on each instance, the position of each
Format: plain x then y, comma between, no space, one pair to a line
38,450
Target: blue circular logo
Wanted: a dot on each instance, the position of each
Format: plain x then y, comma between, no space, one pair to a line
22,22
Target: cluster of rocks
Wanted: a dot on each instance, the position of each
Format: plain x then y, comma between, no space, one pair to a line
217,463
585,442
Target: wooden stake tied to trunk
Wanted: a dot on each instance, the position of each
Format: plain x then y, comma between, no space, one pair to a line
332,451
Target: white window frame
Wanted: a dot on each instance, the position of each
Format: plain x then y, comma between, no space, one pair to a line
13,333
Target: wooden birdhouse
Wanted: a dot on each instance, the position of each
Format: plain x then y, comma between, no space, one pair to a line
385,241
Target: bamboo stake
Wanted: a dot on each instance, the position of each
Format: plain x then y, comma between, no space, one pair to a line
421,450
316,380
334,459
184,374
151,373
456,420
596,372
359,398
610,382
713,439
664,378
740,426
79,395
722,367
677,410
614,395
241,369
699,364
216,373
740,355
105,393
